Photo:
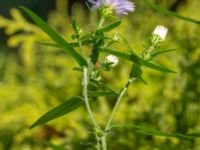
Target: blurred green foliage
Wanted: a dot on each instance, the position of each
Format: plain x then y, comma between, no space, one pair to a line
34,78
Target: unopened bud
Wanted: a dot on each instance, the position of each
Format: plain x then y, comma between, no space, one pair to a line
115,38
158,35
107,12
161,31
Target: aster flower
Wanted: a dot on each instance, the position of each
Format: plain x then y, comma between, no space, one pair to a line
119,7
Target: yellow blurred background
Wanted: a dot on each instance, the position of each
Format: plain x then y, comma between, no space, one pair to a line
35,78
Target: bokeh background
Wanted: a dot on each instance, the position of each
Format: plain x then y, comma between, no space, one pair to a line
35,78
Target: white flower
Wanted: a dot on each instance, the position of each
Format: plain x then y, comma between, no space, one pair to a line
161,31
112,59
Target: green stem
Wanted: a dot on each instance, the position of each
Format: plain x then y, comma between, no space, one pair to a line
101,22
87,104
118,102
103,142
80,45
98,145
86,75
147,52
85,95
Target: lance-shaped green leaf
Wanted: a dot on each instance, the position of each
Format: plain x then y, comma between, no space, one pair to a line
103,86
75,44
195,134
156,67
156,53
101,93
170,13
154,132
75,25
56,37
136,72
78,69
116,53
49,44
130,49
136,59
64,108
52,146
110,27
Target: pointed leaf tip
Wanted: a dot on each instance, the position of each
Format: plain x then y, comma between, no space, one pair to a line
55,37
62,109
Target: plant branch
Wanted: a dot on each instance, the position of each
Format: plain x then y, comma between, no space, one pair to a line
85,95
121,94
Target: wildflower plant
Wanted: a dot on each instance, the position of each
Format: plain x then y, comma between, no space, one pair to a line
111,14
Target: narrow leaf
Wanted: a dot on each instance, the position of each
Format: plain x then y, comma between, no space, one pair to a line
154,132
116,53
156,67
49,44
55,37
194,134
156,53
78,69
74,25
136,59
110,27
170,13
103,86
75,44
127,43
101,93
64,108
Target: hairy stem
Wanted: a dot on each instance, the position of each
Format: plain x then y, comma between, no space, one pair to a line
103,142
85,95
86,75
87,104
121,94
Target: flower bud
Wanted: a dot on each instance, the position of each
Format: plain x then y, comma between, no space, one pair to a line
115,38
161,31
158,36
106,12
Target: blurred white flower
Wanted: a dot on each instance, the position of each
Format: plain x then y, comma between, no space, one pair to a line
161,31
112,59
